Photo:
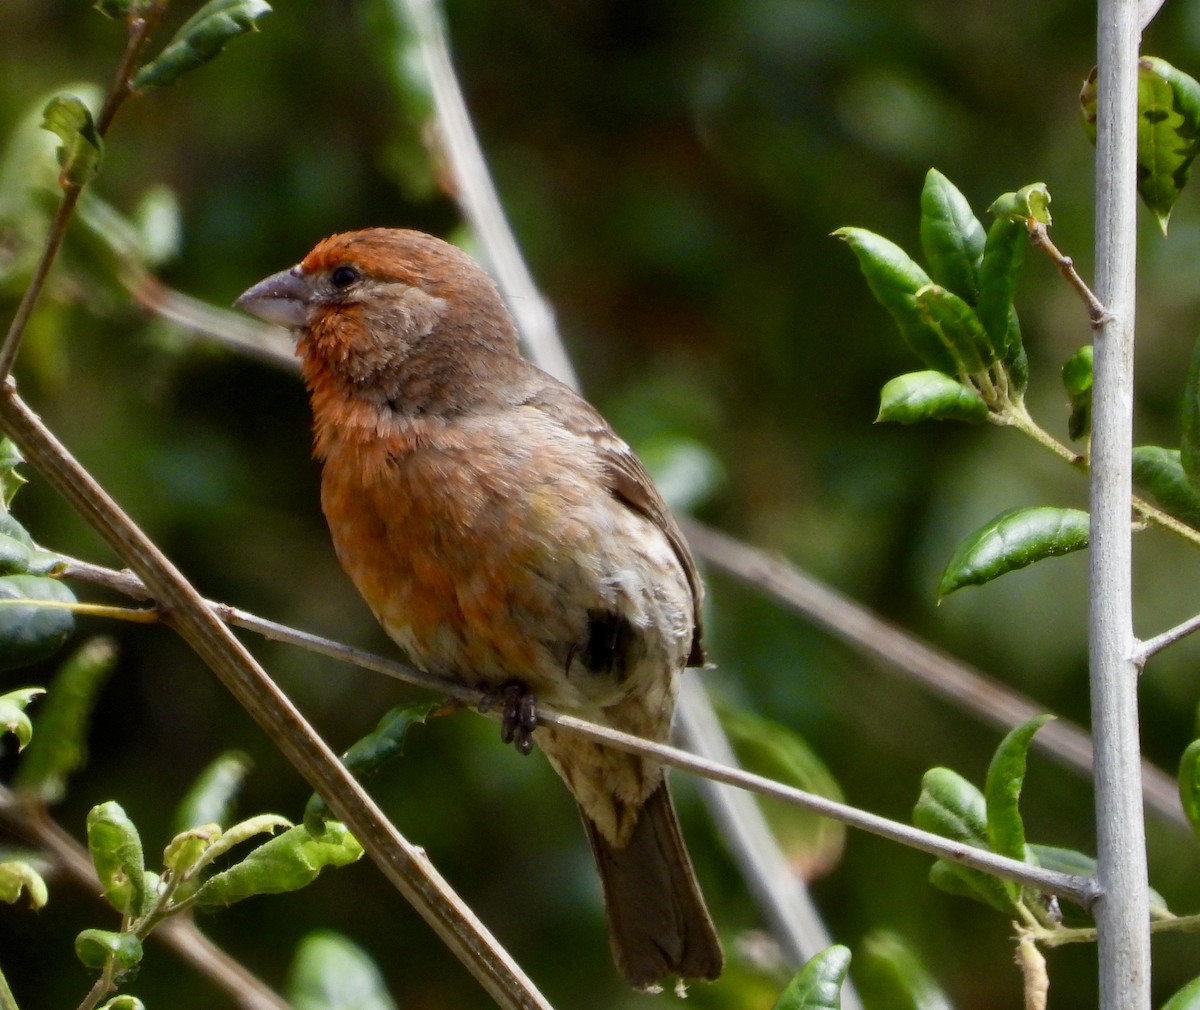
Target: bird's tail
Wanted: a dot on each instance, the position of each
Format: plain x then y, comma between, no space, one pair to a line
659,926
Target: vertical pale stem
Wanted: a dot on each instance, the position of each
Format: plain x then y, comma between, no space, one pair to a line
1122,911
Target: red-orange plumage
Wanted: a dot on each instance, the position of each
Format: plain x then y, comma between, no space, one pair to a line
500,533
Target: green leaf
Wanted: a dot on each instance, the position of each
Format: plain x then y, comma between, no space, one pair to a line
10,481
330,972
200,40
211,798
952,807
186,851
1189,784
894,280
95,946
60,748
1002,793
116,850
1003,254
243,831
1187,998
80,149
285,863
953,322
951,237
366,756
891,970
124,1002
818,985
1077,380
29,633
929,396
1159,473
17,877
813,845
12,714
1013,539
1030,202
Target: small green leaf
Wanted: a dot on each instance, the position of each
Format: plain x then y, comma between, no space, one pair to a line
952,807
818,985
1187,998
1189,784
366,756
285,863
116,850
60,748
1077,380
12,714
1159,473
243,831
951,237
1003,254
894,280
1012,540
200,40
124,1002
953,322
813,845
32,632
184,852
17,877
80,149
329,972
1030,202
891,970
211,798
1002,793
95,946
929,396
10,481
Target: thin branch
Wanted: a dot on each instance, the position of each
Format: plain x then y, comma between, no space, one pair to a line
1150,646
1147,11
901,652
1074,887
1040,237
139,31
404,865
32,821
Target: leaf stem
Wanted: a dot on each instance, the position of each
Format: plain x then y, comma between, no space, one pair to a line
145,615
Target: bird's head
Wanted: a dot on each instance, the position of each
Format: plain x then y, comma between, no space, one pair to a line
383,307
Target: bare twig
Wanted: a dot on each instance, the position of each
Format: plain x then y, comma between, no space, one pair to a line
1156,644
1067,885
404,865
30,820
901,652
1040,237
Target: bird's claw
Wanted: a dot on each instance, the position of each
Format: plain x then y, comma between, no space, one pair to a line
518,717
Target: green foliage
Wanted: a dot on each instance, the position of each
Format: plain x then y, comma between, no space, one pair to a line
1189,784
929,396
61,745
116,850
952,238
1187,998
94,947
1077,380
1159,473
17,877
1002,792
1015,538
330,972
366,756
12,714
212,796
889,970
201,39
285,863
818,985
80,149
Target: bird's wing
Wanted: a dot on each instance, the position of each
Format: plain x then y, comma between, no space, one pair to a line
629,482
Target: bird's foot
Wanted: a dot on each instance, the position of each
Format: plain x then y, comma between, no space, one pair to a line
518,717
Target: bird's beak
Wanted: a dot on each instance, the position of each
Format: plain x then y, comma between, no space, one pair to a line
282,298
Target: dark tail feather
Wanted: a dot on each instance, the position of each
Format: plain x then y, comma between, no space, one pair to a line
658,924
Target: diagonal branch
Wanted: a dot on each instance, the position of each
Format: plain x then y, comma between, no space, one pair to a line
404,865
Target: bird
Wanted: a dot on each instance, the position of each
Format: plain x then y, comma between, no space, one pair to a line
505,537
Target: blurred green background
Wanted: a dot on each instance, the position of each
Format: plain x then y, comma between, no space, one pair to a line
673,171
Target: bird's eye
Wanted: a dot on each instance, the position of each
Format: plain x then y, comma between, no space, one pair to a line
343,276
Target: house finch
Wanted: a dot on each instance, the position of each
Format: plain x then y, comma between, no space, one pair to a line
505,537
